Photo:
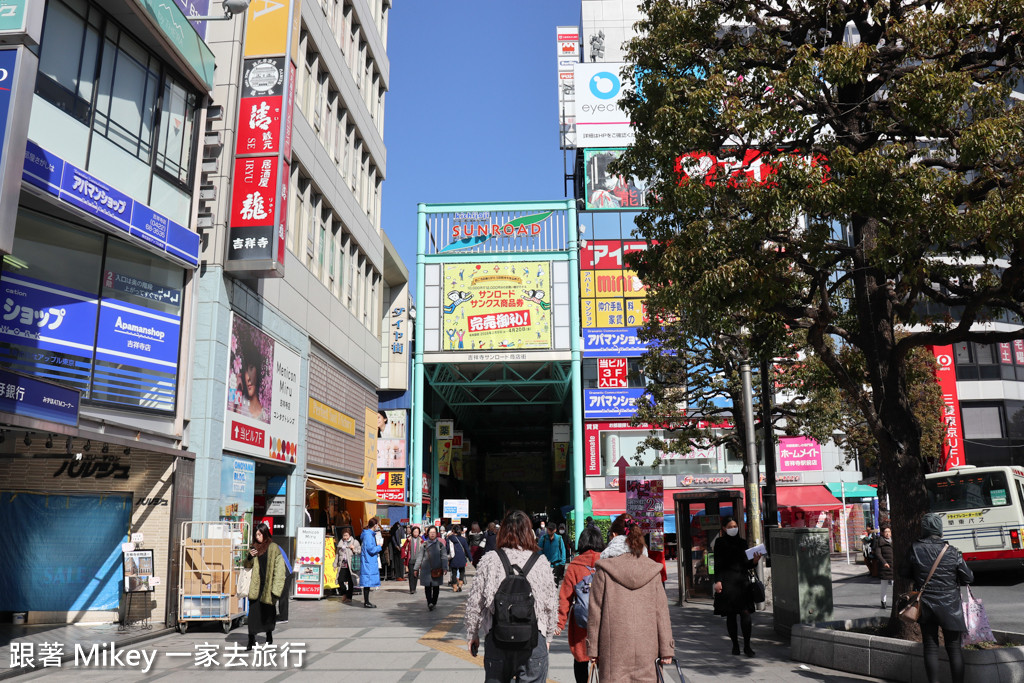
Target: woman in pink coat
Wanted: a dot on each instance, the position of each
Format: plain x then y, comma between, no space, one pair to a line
628,627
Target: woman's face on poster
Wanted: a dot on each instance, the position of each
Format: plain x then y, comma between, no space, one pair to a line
250,381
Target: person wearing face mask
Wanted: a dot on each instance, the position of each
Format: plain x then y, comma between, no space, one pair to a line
883,556
732,585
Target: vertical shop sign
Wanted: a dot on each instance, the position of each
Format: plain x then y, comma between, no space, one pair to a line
309,562
259,195
568,48
370,451
953,437
18,68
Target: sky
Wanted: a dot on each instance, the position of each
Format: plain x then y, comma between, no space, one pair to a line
472,110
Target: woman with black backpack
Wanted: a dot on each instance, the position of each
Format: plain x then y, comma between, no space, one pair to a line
517,620
574,599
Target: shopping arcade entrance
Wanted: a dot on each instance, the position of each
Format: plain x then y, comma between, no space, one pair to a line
497,350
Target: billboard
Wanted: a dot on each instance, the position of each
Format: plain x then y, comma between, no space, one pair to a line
600,120
259,194
391,486
606,191
611,296
497,306
391,442
799,454
262,412
568,55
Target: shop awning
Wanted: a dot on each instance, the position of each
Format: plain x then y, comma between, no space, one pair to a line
853,490
815,497
346,491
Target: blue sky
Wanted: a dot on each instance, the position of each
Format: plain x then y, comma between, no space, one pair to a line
472,111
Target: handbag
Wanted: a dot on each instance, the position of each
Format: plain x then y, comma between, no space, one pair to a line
659,667
978,628
912,611
593,677
436,573
244,579
756,587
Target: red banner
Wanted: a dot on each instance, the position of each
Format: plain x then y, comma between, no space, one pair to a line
259,125
611,373
953,437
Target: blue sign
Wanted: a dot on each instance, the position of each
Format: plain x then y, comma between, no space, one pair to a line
610,403
138,336
8,65
30,397
71,184
42,315
612,341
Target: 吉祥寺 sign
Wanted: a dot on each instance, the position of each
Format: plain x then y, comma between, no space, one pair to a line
799,454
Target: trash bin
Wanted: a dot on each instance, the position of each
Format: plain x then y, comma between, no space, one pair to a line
801,577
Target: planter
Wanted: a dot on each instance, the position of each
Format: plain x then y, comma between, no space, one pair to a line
835,645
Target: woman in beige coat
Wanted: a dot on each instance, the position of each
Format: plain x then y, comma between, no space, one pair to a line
628,626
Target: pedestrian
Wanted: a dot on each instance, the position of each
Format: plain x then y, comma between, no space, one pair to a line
551,545
266,584
628,626
516,545
348,547
574,588
570,550
412,552
397,541
369,569
867,544
458,554
883,559
477,541
732,583
490,538
431,563
940,601
617,544
282,603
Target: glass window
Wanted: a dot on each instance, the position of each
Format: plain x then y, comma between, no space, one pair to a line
68,82
174,141
981,422
967,491
986,354
126,98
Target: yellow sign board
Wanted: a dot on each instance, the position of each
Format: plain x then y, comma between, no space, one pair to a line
267,25
605,283
370,452
323,413
497,306
613,312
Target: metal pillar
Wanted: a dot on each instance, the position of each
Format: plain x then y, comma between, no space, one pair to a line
576,368
771,499
417,442
753,475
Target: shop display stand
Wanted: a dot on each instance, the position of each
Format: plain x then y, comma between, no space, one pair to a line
212,556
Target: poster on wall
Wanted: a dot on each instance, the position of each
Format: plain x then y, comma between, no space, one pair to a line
262,413
391,442
137,571
645,502
561,456
497,306
608,191
237,489
309,562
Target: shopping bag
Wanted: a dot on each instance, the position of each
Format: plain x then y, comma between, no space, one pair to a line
594,677
978,628
244,578
662,678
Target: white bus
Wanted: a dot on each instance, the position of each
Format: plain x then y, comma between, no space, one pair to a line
982,510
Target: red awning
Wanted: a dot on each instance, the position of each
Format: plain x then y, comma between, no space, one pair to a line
614,503
815,497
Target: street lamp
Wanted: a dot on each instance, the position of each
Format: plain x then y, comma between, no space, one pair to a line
231,8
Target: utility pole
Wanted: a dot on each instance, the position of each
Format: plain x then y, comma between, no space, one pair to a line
753,475
771,501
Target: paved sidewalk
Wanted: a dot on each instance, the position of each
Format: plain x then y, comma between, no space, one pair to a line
401,641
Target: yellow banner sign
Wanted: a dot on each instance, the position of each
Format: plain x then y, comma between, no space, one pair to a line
323,413
444,457
599,283
267,25
613,312
497,306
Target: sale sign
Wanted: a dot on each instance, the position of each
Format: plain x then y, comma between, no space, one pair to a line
611,373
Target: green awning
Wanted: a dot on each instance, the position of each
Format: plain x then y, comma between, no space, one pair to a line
852,490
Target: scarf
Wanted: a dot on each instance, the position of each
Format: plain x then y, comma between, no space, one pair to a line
261,548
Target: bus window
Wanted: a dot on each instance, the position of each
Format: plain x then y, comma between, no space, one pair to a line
968,491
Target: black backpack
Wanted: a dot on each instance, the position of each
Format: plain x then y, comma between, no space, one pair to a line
515,618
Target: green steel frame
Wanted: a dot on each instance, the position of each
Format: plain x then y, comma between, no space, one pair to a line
464,387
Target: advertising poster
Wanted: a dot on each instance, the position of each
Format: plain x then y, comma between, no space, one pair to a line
391,486
600,119
262,414
391,442
799,454
309,562
237,489
138,571
444,457
497,306
645,502
607,191
561,456
373,426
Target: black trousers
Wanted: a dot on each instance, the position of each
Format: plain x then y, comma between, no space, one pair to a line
432,593
412,581
282,602
930,640
345,583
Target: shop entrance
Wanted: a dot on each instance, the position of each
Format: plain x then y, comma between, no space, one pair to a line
497,358
698,521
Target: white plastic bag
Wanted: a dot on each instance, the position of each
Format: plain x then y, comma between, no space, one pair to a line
978,628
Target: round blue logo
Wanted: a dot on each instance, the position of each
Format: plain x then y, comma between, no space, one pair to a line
605,85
